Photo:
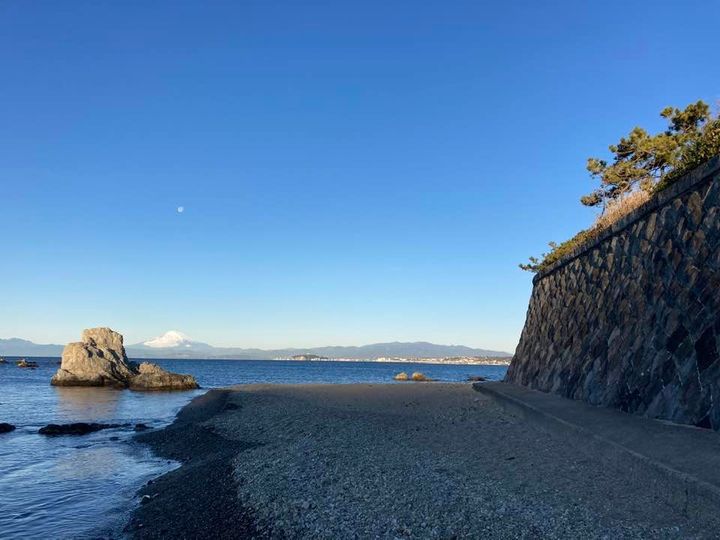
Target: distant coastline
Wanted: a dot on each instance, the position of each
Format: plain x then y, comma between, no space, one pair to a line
177,346
454,360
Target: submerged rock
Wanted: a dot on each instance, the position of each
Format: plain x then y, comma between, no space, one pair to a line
79,428
100,360
6,428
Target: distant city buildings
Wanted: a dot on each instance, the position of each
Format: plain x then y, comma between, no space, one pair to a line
459,360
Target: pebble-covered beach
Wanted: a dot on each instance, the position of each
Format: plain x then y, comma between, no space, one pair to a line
416,460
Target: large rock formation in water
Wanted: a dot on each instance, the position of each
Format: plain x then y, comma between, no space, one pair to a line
100,360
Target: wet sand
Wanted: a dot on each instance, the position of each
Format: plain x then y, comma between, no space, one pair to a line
199,499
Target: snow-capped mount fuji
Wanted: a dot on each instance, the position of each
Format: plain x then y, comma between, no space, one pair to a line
171,344
173,338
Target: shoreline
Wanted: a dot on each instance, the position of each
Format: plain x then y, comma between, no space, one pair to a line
200,494
416,460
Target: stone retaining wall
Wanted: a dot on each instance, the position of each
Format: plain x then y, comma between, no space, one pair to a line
631,320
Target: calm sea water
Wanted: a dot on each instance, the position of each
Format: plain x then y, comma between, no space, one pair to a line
74,487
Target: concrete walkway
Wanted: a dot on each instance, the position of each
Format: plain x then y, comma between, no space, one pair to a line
687,457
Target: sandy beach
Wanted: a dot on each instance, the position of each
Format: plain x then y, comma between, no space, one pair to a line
427,460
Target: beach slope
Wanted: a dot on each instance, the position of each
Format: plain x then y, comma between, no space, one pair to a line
414,460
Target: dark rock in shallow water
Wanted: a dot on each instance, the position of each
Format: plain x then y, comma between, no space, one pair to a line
477,378
141,427
79,428
6,428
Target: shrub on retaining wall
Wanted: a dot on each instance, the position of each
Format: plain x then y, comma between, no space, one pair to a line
643,164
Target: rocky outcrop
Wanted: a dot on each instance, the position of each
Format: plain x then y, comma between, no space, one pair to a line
100,360
6,428
416,376
632,319
26,364
153,377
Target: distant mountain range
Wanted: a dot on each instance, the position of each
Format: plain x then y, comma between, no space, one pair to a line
175,344
23,347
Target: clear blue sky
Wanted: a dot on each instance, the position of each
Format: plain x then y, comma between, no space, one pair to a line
351,172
